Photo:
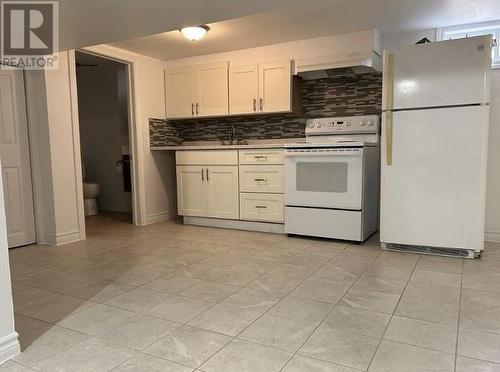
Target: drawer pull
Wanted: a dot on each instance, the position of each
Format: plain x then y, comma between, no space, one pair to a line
260,179
261,206
260,157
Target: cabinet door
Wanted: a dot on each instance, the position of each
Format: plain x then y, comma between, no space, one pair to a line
275,86
191,191
212,89
222,192
180,91
243,89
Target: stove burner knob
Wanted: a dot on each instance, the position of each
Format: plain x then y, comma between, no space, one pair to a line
319,125
311,125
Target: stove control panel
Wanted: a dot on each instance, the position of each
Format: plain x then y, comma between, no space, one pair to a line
344,125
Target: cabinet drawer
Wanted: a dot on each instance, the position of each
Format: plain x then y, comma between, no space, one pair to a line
207,157
261,156
262,207
261,178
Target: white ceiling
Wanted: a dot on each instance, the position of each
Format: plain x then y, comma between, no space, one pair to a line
91,22
315,18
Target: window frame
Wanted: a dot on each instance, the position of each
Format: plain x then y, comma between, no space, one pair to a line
475,29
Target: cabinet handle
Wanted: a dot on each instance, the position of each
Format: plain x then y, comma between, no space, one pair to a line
260,157
202,176
261,104
207,175
261,206
254,105
260,179
196,108
192,109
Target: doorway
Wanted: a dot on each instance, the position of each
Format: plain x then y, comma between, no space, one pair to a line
15,159
103,89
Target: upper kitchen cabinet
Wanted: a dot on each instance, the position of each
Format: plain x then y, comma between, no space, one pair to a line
243,89
263,88
275,87
212,89
181,91
197,91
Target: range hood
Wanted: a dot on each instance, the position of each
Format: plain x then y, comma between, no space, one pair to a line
336,65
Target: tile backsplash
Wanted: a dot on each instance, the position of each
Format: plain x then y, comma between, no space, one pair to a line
347,95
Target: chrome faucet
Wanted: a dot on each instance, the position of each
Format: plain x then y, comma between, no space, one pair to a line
231,133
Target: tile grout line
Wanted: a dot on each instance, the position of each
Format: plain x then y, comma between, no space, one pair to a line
459,312
392,314
185,324
95,337
331,311
265,312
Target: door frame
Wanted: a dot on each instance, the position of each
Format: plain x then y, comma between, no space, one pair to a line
138,202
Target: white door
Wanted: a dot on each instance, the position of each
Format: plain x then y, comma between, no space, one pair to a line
243,89
275,86
180,92
15,161
329,179
222,191
433,194
212,89
191,192
452,72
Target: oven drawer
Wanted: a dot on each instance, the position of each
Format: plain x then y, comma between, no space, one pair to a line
261,156
324,223
261,178
262,207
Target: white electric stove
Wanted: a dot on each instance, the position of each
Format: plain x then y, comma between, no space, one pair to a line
332,179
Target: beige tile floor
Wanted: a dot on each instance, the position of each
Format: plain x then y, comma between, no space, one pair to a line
169,297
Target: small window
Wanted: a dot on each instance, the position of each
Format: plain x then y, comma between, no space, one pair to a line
477,29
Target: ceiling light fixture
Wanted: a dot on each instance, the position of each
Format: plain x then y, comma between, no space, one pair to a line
194,33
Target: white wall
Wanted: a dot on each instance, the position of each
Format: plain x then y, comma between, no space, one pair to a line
316,47
156,169
103,118
492,228
64,150
9,345
55,149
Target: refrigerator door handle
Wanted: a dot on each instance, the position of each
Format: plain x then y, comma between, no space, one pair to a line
388,137
388,85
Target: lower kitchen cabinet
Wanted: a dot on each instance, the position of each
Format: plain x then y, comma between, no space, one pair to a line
262,207
222,191
191,193
208,191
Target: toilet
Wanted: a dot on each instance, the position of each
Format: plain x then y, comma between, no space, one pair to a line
91,191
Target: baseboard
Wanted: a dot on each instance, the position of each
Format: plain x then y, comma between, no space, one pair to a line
277,228
160,217
63,238
9,347
492,236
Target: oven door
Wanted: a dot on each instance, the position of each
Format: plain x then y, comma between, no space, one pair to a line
324,177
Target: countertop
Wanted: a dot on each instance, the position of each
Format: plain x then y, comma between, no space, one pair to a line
215,145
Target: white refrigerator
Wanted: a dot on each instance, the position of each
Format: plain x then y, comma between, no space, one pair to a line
434,146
